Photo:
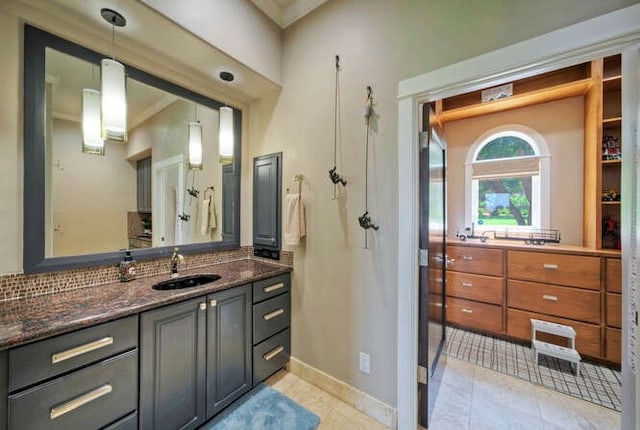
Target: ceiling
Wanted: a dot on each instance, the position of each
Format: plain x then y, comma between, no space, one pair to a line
286,12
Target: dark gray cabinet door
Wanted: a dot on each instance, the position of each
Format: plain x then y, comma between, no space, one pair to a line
229,369
230,214
267,181
144,184
173,367
4,383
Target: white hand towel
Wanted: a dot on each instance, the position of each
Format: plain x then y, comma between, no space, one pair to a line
204,216
213,216
295,225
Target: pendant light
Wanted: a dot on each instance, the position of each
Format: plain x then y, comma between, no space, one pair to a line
225,136
92,142
114,95
195,142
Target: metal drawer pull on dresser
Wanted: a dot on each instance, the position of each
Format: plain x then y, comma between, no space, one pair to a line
467,311
550,266
550,297
80,401
467,284
274,287
82,349
467,257
269,355
272,315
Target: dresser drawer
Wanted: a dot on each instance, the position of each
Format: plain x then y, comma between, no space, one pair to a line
267,288
482,261
476,315
567,302
130,422
587,335
613,278
271,355
482,288
38,361
571,270
613,344
90,398
614,310
271,316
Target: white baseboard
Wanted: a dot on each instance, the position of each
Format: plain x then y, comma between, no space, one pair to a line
355,398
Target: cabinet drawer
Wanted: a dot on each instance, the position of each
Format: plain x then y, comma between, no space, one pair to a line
613,345
486,289
567,302
474,314
38,361
130,422
587,335
270,317
571,270
613,277
614,310
271,287
88,399
482,261
271,355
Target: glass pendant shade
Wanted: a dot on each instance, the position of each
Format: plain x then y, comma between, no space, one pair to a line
225,136
195,145
91,132
114,101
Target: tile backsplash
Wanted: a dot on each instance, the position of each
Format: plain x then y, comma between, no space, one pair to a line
17,286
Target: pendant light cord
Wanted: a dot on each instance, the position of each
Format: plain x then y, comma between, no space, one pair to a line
113,40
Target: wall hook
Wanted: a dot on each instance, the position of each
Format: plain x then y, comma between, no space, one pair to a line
365,222
335,177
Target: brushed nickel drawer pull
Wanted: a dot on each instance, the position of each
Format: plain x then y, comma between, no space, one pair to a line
467,257
550,266
550,297
213,303
467,284
273,287
203,306
268,356
467,311
80,401
272,315
82,349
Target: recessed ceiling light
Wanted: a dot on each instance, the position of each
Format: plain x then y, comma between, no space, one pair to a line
226,76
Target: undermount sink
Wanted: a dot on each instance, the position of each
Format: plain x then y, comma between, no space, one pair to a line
185,282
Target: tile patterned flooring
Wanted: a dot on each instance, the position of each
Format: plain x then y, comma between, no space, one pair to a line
470,397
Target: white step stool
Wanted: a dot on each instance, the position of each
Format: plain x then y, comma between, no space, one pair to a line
564,353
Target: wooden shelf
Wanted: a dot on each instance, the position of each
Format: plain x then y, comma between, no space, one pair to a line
614,203
611,162
617,120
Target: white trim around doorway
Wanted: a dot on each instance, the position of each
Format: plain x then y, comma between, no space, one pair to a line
598,37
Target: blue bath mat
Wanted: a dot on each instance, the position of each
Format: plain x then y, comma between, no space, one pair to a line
264,409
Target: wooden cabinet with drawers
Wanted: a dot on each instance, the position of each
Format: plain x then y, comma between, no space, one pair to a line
613,309
475,288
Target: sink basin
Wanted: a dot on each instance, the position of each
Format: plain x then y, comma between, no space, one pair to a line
185,282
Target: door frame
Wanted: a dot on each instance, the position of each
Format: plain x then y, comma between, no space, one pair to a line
159,199
608,34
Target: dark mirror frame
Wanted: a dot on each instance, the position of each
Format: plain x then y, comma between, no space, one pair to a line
34,260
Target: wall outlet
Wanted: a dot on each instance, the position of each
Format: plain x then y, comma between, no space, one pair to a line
365,363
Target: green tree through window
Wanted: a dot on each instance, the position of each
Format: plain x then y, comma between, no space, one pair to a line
505,147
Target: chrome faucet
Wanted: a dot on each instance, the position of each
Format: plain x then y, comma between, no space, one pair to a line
176,259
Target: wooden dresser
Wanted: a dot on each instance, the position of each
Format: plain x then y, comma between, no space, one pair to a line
498,288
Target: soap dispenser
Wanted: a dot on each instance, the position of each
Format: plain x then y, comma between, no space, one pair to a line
127,268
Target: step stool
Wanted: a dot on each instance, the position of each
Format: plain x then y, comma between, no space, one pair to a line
564,353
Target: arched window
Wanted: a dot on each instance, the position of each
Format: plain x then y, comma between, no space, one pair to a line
507,180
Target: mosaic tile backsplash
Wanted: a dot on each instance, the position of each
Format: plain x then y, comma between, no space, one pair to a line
18,286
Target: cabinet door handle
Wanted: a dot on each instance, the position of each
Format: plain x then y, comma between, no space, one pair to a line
82,349
550,297
467,258
272,315
467,311
203,306
273,287
213,303
467,284
79,401
550,266
269,355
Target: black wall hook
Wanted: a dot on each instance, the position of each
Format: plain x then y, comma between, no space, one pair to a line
335,177
365,222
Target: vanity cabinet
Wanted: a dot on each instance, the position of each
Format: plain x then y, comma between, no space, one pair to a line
87,379
267,207
195,359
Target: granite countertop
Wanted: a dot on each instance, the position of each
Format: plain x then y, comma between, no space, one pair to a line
30,319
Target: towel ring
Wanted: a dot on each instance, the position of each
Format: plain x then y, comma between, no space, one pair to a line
209,189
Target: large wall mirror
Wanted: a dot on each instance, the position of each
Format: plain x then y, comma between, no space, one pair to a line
84,205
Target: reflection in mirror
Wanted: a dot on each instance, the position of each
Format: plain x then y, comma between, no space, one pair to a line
85,200
138,194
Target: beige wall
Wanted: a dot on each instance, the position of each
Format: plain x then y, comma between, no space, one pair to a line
561,124
344,298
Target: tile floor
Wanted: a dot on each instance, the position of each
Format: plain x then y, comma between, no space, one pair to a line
470,397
